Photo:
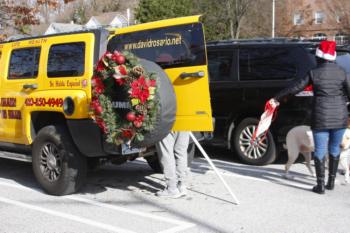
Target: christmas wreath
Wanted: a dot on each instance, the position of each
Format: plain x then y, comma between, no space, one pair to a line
124,98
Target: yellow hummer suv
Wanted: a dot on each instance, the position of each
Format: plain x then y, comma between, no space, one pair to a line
45,94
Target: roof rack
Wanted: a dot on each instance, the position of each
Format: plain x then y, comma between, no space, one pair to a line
261,40
14,39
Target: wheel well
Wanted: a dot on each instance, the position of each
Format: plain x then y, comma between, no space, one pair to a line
239,118
42,119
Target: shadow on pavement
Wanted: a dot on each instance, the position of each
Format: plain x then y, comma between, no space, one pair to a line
224,160
124,177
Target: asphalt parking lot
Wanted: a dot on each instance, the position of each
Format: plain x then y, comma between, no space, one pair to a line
121,199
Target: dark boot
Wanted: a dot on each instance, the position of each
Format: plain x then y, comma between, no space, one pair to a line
333,168
319,165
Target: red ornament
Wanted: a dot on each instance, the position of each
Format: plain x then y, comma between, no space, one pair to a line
140,118
131,116
138,124
98,109
120,59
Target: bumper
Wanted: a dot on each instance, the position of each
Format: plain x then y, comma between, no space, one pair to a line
87,137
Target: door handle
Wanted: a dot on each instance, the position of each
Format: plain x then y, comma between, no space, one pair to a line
198,74
30,86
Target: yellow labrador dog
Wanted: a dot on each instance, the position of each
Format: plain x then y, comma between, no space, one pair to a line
300,140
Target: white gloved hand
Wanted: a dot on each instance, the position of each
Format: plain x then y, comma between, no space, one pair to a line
274,103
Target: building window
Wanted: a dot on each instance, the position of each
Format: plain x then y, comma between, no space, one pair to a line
319,17
319,36
341,38
298,19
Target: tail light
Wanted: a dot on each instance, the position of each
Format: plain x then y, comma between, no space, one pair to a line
308,91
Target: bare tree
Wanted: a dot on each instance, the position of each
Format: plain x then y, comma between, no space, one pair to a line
257,22
336,12
15,16
339,10
236,10
48,7
285,25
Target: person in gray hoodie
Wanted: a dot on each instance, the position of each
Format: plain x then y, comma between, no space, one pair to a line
331,88
172,152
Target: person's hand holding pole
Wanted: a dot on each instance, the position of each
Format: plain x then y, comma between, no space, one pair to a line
274,103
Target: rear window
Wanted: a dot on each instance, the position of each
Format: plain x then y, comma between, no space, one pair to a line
169,47
24,63
66,60
219,65
267,64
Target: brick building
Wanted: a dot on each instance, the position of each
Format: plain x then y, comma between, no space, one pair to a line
314,19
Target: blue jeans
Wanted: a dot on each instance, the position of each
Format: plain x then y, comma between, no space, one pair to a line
327,141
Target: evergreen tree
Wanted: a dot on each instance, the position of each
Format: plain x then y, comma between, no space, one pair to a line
222,18
152,10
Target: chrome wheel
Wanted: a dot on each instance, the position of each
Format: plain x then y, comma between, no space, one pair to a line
255,149
50,162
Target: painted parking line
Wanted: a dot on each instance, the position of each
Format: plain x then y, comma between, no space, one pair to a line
181,225
66,216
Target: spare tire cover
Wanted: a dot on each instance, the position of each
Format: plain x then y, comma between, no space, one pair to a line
165,117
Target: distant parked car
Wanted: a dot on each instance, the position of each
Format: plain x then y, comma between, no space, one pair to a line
244,74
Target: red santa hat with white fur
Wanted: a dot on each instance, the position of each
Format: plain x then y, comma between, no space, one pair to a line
326,50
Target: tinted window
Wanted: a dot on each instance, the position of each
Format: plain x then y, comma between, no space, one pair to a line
24,63
66,60
267,64
169,47
219,65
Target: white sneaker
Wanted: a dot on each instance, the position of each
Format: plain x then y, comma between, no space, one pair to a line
169,193
182,188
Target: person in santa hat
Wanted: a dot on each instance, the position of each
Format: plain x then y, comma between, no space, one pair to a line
331,88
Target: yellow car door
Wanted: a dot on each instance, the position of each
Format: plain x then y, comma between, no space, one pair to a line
178,46
20,78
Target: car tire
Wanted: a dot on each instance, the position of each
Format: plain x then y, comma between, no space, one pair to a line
154,163
262,154
57,165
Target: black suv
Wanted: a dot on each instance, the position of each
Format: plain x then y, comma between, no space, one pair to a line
244,74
